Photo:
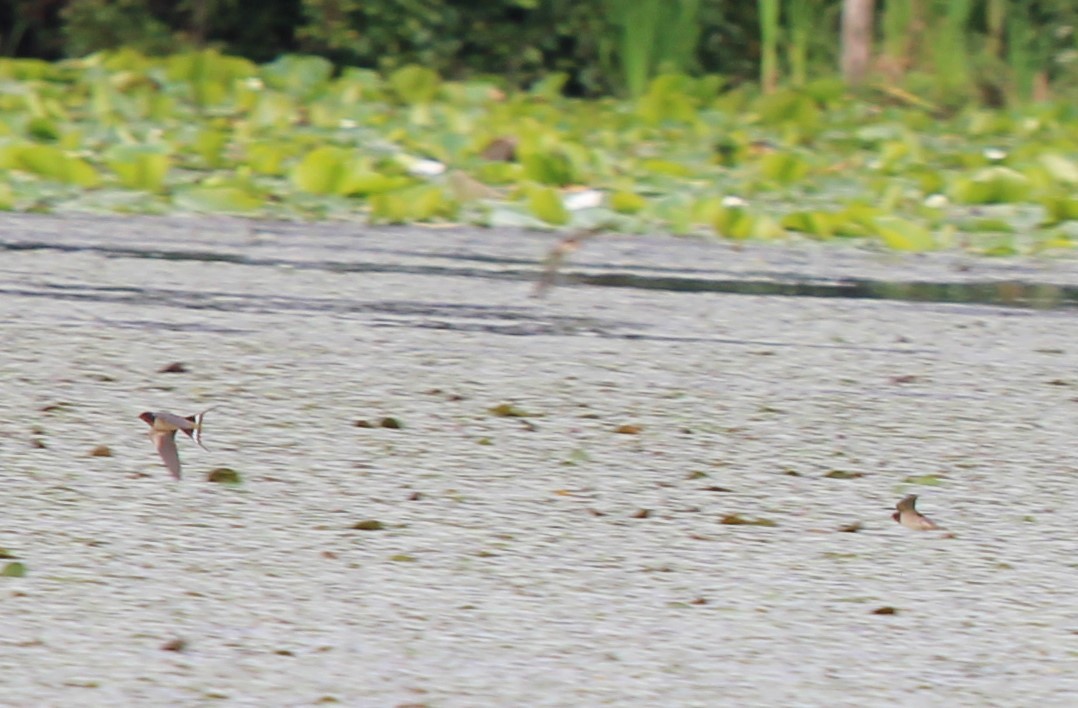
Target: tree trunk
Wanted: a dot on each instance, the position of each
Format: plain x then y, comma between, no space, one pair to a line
856,39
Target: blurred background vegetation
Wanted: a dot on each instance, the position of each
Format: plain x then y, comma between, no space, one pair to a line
947,51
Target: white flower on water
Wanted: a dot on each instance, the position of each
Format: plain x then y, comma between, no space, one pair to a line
936,201
994,154
422,167
586,199
733,202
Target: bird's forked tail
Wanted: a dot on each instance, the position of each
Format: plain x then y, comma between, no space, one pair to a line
196,430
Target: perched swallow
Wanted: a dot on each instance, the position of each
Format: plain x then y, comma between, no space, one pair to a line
908,516
163,427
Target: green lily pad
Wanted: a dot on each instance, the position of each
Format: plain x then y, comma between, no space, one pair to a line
14,569
813,223
322,171
992,185
927,480
547,167
1060,208
139,167
224,475
209,145
508,410
784,167
627,202
228,200
546,204
415,84
52,162
904,235
296,75
1060,168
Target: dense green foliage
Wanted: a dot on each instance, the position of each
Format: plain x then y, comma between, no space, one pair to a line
952,50
204,132
732,118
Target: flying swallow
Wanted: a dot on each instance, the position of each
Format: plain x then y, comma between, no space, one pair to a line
908,516
557,257
163,427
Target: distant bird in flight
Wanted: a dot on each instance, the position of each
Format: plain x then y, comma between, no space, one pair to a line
557,257
163,427
908,516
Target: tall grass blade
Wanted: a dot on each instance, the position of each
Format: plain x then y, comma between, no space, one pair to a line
1020,54
653,35
799,14
951,48
897,27
769,39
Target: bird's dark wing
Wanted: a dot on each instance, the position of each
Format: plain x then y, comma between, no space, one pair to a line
166,448
908,503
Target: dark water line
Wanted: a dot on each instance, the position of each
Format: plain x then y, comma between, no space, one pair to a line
1005,293
1008,293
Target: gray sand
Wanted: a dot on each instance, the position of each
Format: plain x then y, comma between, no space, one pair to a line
544,561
